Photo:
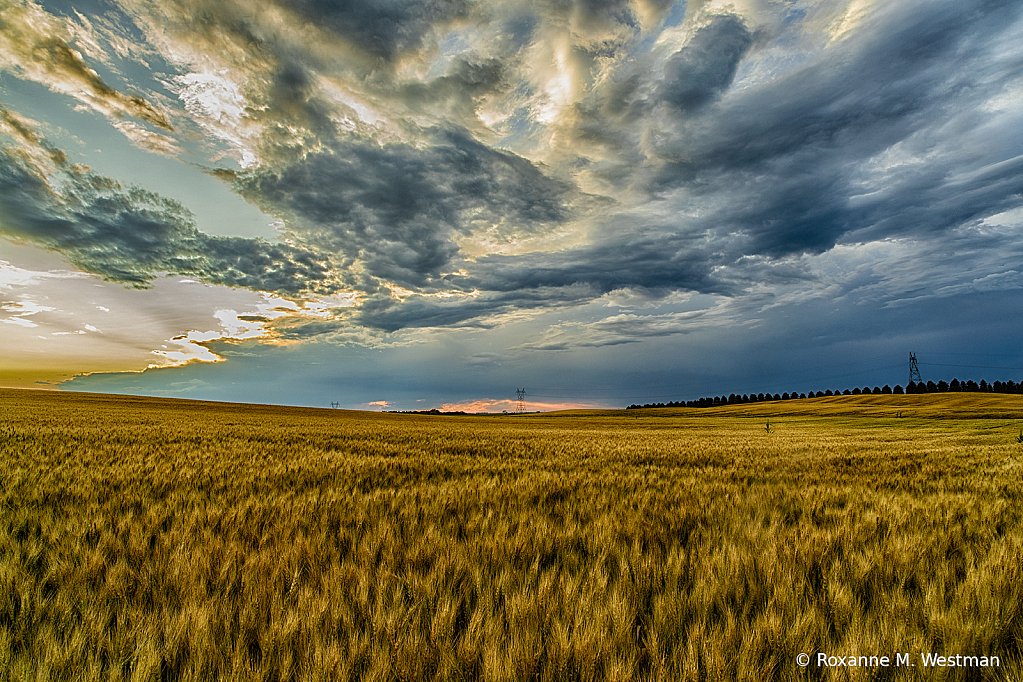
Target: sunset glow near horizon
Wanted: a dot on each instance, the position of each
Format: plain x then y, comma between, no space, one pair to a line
430,203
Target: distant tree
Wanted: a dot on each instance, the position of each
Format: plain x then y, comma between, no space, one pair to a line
971,385
828,393
876,391
802,396
866,390
911,388
777,397
931,387
886,389
897,390
954,386
847,392
942,386
856,391
984,387
785,395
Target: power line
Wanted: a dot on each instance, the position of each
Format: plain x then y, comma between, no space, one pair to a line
938,364
979,355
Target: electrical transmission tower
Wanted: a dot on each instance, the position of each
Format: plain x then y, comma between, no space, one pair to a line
914,369
335,405
520,404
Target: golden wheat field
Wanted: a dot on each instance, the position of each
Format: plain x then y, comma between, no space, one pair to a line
154,539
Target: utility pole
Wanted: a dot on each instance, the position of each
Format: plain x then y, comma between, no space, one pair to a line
914,369
520,405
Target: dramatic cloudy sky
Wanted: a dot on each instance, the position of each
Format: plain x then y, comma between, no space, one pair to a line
409,204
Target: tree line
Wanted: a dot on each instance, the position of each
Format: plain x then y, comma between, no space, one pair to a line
955,386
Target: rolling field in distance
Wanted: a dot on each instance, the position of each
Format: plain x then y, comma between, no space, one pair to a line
157,539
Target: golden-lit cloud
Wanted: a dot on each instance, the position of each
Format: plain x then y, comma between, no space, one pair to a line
33,45
59,319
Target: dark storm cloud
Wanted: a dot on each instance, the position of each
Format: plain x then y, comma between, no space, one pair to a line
652,263
289,93
130,235
383,29
395,209
390,315
467,81
596,13
790,165
705,67
651,260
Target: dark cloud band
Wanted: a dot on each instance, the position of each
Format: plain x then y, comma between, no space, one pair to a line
130,235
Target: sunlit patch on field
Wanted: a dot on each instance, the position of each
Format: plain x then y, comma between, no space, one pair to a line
146,539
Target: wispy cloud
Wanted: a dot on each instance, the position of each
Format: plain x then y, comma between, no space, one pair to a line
33,45
630,328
